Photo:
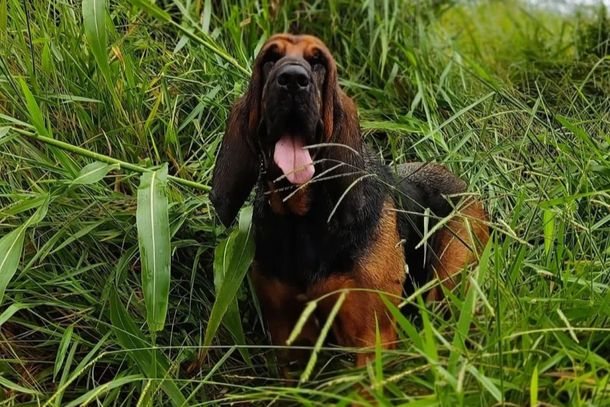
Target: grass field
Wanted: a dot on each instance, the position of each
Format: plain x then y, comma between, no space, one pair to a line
513,99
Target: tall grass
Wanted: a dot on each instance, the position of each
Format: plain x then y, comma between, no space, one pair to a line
514,100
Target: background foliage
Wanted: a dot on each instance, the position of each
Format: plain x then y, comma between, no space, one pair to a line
516,100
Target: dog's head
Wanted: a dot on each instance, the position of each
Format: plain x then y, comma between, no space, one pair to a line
292,102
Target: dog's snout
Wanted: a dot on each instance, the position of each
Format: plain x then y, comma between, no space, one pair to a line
293,77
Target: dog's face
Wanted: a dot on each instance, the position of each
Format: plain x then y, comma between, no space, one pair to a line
291,103
293,74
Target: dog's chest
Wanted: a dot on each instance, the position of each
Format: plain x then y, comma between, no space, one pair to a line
328,239
303,249
298,249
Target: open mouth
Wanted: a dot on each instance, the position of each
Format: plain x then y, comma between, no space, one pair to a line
293,159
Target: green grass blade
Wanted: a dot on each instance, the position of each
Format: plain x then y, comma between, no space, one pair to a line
102,389
378,360
83,364
548,219
92,173
152,363
579,132
11,247
429,345
154,243
467,312
152,9
534,387
404,324
63,348
232,318
25,205
3,17
463,326
67,363
3,132
237,254
322,337
298,327
40,124
33,109
11,310
94,21
7,384
486,382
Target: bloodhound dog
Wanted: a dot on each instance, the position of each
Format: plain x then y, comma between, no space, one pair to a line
328,217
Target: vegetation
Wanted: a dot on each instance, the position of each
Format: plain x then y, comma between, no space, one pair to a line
513,99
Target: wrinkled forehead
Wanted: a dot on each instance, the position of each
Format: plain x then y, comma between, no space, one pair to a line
296,46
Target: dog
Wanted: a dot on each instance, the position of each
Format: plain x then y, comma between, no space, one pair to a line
329,217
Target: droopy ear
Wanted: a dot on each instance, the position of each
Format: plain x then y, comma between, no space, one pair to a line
330,99
342,127
236,169
339,114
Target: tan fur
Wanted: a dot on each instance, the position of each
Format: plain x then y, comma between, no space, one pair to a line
275,200
383,265
458,245
297,204
282,305
381,269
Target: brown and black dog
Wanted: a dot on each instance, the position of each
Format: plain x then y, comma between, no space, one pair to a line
327,216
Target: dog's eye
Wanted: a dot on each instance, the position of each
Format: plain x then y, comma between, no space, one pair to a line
316,59
267,67
272,56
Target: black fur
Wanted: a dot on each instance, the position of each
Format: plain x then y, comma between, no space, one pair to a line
412,199
301,250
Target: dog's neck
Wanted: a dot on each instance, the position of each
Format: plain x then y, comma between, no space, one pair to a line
345,187
283,201
340,167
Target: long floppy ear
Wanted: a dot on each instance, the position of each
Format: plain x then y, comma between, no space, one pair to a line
331,103
339,113
340,120
236,169
341,126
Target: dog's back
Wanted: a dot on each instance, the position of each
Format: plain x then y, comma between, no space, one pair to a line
426,193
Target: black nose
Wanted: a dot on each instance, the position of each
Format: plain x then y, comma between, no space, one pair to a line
293,77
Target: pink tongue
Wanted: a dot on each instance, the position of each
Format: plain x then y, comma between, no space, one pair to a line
294,161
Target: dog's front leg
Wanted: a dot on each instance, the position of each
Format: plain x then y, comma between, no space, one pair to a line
355,323
379,270
282,305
